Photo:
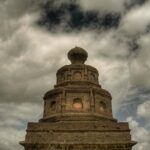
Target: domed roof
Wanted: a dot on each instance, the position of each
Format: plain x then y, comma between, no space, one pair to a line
77,55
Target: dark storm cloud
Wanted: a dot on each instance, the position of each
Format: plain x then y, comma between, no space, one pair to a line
70,16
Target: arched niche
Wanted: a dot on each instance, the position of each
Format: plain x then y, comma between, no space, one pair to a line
63,77
53,105
102,106
92,77
77,104
77,75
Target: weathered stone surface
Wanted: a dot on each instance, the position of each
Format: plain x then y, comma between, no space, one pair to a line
77,113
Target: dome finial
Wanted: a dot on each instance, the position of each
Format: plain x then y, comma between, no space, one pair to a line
77,55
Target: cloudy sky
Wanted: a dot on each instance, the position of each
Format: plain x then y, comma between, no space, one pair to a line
35,36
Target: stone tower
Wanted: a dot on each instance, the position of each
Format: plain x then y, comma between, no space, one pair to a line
77,113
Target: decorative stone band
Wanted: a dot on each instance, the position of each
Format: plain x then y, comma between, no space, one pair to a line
99,90
87,146
77,73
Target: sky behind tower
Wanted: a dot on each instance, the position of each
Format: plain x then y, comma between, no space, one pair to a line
35,36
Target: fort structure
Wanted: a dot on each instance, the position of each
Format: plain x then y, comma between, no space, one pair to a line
77,113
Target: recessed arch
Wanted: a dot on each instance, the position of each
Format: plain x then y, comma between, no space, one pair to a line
53,105
92,77
77,75
77,104
102,106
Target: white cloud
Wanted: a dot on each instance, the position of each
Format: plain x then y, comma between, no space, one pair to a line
136,20
139,134
14,118
140,65
11,138
103,5
143,110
